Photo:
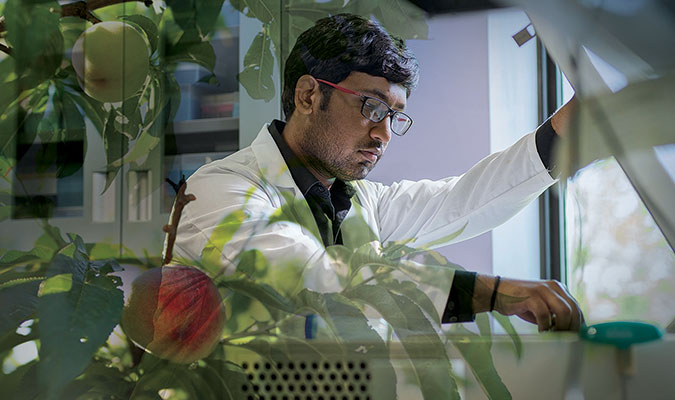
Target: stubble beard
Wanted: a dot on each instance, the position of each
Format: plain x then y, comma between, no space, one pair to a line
323,152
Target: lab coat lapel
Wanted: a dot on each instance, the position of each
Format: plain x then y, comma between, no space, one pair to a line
275,172
272,166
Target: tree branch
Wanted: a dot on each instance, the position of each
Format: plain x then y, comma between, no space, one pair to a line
5,49
84,9
181,200
79,9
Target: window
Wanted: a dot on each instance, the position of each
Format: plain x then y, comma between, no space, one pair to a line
619,264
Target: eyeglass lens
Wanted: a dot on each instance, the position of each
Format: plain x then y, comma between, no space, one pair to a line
376,111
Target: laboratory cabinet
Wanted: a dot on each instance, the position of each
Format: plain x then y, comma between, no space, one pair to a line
129,211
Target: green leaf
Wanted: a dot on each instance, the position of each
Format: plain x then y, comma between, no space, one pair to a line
36,51
483,324
92,108
256,77
75,324
43,250
206,14
6,165
16,257
116,145
262,292
403,19
505,322
476,352
362,8
9,126
73,125
221,235
282,349
12,339
9,84
296,211
434,275
128,118
147,25
184,14
56,284
198,52
141,147
419,338
349,326
410,290
445,239
224,379
366,256
49,242
252,263
5,198
263,10
401,249
172,96
210,79
161,377
196,17
19,303
98,379
20,384
355,230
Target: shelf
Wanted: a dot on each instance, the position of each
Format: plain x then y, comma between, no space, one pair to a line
206,125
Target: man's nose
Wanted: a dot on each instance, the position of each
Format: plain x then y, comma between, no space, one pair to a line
382,130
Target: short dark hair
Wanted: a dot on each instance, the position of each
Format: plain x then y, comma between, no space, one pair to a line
340,44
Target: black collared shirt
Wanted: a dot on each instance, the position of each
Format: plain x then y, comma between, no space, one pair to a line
330,207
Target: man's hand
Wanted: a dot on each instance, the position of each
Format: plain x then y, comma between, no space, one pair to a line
560,121
545,303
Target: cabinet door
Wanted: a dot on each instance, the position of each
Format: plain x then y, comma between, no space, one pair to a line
207,125
58,176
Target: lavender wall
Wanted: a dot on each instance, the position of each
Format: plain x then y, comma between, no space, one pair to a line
451,112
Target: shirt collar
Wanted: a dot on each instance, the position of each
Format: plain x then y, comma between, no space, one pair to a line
304,179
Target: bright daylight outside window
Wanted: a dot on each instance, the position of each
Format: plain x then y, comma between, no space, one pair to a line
619,265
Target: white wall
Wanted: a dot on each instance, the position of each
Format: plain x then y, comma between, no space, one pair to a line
477,95
513,112
450,109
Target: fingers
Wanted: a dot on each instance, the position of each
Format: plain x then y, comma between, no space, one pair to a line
573,317
541,313
545,303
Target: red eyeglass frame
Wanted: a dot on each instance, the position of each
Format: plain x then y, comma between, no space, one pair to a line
391,112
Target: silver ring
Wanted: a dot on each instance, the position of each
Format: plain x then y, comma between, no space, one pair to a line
552,320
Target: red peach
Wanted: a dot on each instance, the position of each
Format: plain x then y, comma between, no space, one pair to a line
174,312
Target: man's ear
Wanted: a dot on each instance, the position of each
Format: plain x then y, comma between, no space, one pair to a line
307,95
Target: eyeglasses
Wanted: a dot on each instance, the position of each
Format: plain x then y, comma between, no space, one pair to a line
377,110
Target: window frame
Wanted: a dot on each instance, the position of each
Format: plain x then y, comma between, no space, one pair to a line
553,246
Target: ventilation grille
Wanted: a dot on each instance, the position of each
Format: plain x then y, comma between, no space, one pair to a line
308,380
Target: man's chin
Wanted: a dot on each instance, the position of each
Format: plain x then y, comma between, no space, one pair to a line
361,173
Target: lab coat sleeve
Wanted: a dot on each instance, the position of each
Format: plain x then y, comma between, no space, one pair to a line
487,195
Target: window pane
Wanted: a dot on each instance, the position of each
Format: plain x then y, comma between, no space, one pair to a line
619,264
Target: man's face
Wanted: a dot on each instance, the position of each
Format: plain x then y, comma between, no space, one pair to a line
339,142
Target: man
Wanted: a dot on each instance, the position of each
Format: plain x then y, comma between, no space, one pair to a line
346,84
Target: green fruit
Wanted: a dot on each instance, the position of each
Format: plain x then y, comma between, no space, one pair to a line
174,312
111,60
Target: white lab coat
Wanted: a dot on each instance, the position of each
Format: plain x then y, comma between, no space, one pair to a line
255,177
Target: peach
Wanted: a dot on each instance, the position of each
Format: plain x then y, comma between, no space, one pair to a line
111,60
174,312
